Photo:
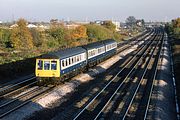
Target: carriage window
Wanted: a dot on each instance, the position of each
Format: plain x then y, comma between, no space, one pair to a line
53,65
69,61
66,62
63,63
46,65
89,53
77,58
74,59
40,64
108,47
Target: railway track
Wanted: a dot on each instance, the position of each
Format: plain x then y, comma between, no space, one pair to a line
138,102
12,97
103,103
67,114
9,105
134,41
14,87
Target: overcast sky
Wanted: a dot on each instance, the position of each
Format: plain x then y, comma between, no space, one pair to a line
44,10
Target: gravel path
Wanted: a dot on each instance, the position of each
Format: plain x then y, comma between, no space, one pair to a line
163,102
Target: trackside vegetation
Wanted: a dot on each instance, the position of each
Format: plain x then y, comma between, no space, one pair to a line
19,45
20,42
173,30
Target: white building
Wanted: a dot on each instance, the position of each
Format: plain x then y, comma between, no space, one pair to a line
43,26
71,26
117,24
31,26
14,25
28,25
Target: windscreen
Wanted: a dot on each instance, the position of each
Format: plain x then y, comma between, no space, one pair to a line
40,64
53,65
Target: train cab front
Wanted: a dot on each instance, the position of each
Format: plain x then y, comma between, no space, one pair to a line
47,68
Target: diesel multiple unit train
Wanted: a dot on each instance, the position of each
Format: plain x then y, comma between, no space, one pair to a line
69,62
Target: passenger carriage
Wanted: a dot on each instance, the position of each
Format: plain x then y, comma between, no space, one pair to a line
95,53
110,47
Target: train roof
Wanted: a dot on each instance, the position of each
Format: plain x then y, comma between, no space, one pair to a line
108,41
93,45
65,53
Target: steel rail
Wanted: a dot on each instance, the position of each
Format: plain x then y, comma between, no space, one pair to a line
108,83
27,101
7,94
120,86
9,88
141,79
18,97
154,78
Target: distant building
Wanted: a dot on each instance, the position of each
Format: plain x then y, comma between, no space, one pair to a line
44,26
28,25
82,22
149,24
117,24
54,21
99,22
31,26
123,25
13,26
139,23
71,26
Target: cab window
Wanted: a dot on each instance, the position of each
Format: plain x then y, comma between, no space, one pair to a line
53,65
40,64
46,65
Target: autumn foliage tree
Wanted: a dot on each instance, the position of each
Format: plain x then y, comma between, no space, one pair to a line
79,32
176,23
21,37
173,28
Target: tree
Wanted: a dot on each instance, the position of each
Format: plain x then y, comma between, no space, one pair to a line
79,33
109,25
37,40
173,28
96,32
5,37
143,22
21,37
176,23
131,21
57,33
